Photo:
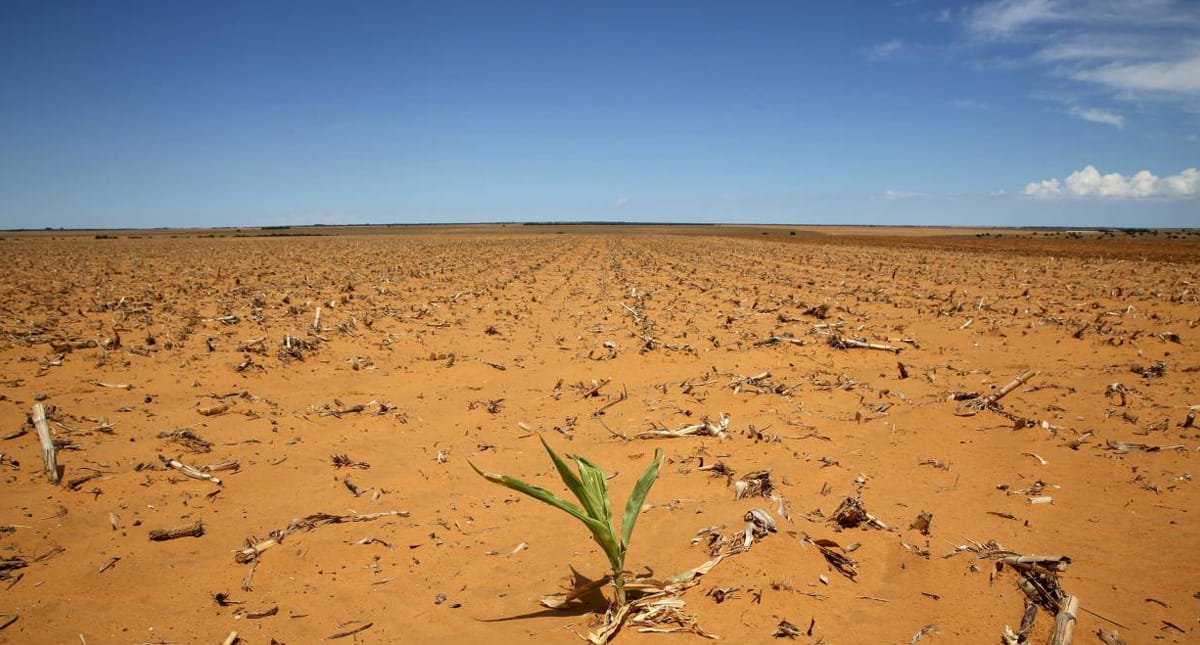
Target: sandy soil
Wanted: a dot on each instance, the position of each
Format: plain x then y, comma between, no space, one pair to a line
466,346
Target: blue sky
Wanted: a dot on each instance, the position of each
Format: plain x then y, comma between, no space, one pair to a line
1016,112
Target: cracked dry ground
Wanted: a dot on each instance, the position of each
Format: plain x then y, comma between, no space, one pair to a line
430,350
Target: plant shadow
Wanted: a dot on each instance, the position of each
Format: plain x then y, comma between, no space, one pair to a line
586,596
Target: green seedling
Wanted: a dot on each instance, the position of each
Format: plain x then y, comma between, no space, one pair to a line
591,488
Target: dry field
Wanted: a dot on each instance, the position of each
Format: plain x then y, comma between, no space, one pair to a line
429,350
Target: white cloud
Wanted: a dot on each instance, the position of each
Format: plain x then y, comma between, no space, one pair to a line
1161,76
1044,188
1097,115
1186,183
1004,18
889,49
620,203
1092,47
1088,182
1133,49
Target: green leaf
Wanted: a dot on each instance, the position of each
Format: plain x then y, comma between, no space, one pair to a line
542,495
638,497
570,478
591,488
596,487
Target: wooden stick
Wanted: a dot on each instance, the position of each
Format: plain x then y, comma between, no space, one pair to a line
705,427
1004,391
195,529
349,632
249,577
1028,618
43,432
838,341
228,464
1064,622
316,323
595,389
637,317
114,386
779,339
110,564
190,471
251,553
600,412
976,405
1042,562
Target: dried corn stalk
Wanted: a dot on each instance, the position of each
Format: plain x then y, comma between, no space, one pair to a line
851,513
755,484
255,547
656,606
704,428
971,407
834,554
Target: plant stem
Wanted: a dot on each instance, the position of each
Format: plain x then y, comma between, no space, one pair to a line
617,562
619,583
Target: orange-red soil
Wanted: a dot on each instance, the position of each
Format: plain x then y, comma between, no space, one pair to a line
417,324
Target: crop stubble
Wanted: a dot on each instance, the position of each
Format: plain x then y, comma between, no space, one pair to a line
431,349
